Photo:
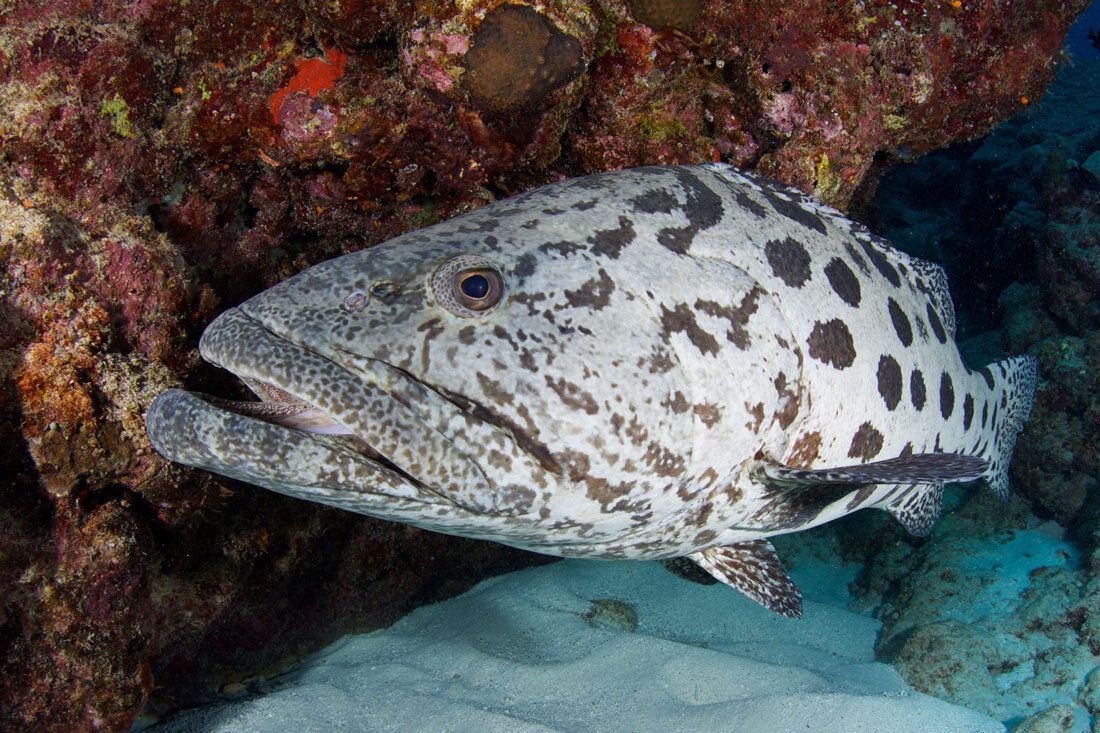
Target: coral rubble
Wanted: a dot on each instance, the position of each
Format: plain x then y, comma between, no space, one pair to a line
162,161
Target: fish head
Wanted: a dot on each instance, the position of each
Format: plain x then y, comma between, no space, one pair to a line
496,376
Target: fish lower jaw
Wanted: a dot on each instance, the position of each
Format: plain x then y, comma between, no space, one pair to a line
285,409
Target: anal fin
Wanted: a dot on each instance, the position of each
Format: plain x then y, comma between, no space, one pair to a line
753,569
917,508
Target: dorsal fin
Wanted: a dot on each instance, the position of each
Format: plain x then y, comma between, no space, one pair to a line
753,569
917,468
932,281
928,277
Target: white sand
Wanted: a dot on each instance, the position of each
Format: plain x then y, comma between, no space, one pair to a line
516,654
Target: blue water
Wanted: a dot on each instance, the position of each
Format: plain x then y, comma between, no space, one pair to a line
1076,40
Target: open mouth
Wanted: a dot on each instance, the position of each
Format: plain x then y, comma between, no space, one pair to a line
282,408
337,431
279,407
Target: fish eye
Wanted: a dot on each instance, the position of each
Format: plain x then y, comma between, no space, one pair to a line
468,286
477,289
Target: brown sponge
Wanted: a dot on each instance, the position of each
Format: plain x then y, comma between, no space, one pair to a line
517,57
661,14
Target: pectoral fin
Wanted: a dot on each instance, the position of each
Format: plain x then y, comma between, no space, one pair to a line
797,495
917,468
917,508
753,569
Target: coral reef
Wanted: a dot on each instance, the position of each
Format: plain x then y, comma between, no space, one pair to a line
993,612
161,162
810,93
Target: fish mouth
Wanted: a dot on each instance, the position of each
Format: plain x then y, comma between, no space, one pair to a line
282,408
357,434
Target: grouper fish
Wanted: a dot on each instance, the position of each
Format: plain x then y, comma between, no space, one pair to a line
656,363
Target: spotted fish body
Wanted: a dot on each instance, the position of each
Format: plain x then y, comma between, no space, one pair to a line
676,361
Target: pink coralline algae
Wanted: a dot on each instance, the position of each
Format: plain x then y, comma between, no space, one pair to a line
162,161
423,57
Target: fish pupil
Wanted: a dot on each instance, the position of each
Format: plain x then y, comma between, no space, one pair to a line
475,286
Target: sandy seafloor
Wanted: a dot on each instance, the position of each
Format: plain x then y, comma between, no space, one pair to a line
519,653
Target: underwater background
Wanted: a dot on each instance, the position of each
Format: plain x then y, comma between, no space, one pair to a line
997,612
160,165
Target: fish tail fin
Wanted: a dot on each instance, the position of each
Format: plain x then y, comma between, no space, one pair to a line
1011,384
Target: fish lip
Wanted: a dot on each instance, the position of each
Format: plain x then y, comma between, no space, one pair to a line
241,408
255,351
173,419
253,409
220,344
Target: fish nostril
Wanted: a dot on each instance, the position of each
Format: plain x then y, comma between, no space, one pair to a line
384,289
356,301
